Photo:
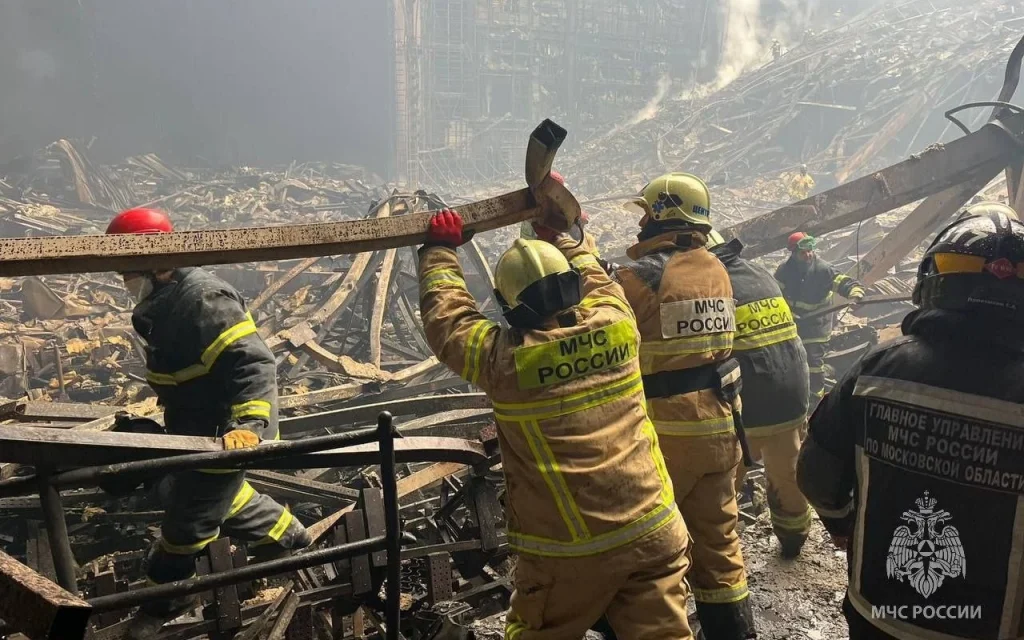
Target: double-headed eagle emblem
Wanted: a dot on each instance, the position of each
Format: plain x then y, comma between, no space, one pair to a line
927,555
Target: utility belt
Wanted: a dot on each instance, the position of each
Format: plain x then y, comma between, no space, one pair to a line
723,377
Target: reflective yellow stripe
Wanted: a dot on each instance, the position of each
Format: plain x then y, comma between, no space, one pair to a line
653,520
792,523
856,291
552,474
514,629
761,340
242,498
687,346
773,429
816,369
593,301
209,356
667,491
186,549
436,278
708,427
813,306
475,350
565,405
584,260
251,409
722,596
278,530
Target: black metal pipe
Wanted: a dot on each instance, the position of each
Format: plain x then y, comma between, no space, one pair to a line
57,532
208,460
235,576
392,526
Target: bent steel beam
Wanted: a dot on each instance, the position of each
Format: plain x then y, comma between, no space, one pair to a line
983,152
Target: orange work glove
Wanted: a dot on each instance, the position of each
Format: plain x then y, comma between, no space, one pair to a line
240,439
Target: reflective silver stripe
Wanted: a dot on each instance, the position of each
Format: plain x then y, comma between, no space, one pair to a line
475,349
555,407
835,514
437,277
943,400
792,523
725,595
687,346
655,519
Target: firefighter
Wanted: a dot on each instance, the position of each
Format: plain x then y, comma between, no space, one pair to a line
774,370
214,376
686,315
808,284
913,461
590,506
800,185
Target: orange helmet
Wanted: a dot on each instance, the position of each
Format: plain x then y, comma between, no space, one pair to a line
140,220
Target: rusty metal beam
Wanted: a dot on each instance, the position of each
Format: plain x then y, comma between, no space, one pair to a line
913,230
79,254
33,605
985,151
279,284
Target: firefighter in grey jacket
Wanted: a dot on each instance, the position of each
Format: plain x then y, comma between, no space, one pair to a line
214,376
915,460
774,372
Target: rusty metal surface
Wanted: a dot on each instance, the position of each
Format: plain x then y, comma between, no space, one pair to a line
37,607
985,151
421,406
79,254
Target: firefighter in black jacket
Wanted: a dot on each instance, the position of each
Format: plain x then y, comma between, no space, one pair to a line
915,461
808,283
774,371
214,376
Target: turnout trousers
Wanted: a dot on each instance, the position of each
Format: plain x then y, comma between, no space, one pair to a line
778,450
703,471
199,507
640,588
815,349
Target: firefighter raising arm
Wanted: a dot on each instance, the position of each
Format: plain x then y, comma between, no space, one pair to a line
461,336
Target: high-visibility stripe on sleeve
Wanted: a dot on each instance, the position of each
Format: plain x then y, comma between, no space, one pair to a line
724,595
251,409
437,278
209,357
186,549
277,530
585,260
475,349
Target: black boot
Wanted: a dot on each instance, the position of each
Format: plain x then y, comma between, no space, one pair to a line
603,627
729,621
791,544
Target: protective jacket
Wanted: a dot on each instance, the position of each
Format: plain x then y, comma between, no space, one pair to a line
687,323
809,287
917,455
583,470
209,368
772,359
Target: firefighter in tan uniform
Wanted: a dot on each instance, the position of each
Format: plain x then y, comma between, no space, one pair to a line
589,501
685,311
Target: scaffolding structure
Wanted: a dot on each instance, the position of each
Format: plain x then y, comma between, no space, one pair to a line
472,75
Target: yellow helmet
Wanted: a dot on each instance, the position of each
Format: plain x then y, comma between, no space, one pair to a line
533,280
676,196
714,239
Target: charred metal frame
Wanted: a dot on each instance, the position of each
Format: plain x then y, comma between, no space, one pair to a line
284,453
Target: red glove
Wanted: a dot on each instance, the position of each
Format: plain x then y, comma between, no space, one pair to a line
446,229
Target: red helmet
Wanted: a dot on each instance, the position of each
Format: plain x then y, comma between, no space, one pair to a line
140,221
794,239
557,177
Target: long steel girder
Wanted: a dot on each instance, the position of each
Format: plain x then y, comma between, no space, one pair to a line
67,448
985,151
